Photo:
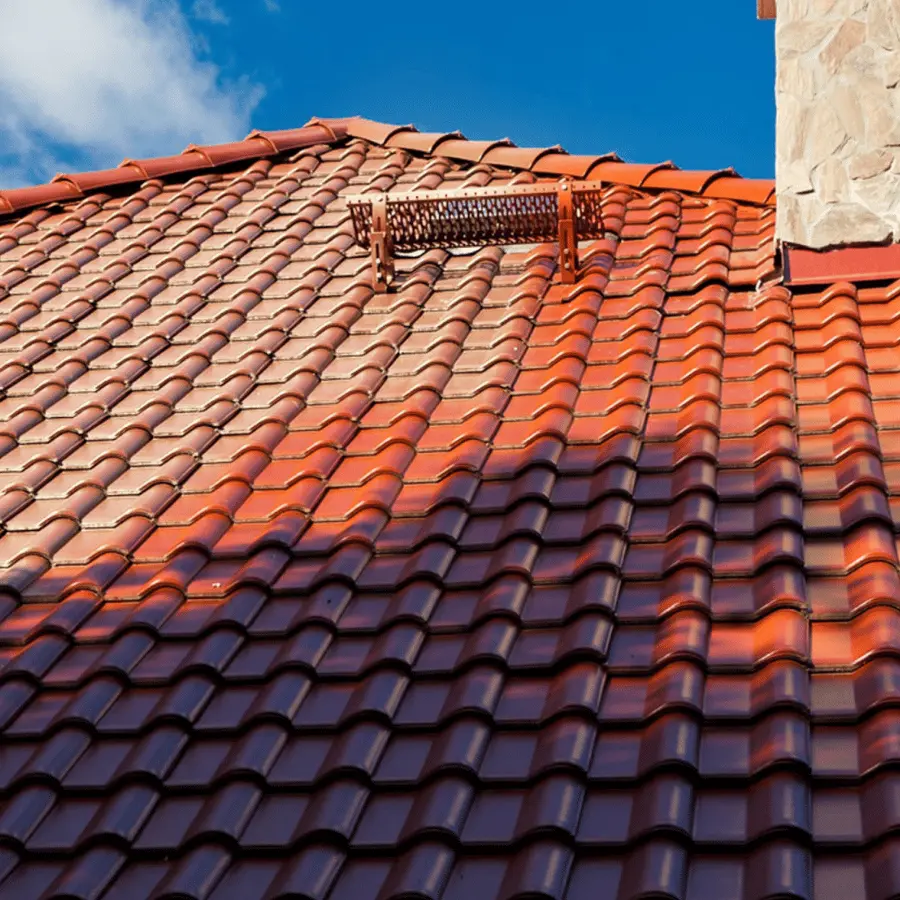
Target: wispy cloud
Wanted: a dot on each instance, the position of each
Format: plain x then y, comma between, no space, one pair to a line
273,6
88,82
209,11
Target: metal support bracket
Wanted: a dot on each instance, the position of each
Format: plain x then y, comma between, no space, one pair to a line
568,248
382,247
544,212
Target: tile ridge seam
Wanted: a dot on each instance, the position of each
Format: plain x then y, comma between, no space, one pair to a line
360,129
79,185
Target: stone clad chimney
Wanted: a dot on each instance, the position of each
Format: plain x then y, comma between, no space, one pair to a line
838,120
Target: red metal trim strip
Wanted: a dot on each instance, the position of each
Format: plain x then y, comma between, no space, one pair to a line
854,264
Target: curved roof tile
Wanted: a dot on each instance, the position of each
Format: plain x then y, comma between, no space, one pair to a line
238,151
18,199
743,190
688,182
632,174
419,141
563,163
512,157
294,138
470,151
367,129
92,181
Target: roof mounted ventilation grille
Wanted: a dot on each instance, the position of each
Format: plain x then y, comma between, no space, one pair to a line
518,214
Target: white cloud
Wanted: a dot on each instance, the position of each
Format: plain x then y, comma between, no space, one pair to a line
273,6
209,11
96,80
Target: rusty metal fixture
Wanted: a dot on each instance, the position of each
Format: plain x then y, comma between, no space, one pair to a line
381,245
565,211
568,246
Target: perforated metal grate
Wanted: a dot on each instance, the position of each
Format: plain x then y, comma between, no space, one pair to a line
478,216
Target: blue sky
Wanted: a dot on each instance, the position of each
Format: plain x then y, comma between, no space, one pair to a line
650,79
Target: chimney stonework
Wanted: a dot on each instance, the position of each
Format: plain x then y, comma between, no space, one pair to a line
838,126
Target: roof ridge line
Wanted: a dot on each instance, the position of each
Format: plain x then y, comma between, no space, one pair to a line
721,184
193,159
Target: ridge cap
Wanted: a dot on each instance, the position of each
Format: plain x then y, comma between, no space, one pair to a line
722,184
67,186
713,184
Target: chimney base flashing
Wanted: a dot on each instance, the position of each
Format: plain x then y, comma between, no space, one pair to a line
858,264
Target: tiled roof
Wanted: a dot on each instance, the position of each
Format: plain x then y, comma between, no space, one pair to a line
488,588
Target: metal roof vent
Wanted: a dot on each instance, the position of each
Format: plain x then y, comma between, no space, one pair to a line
516,214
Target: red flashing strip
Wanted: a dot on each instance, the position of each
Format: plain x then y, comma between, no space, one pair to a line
854,264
